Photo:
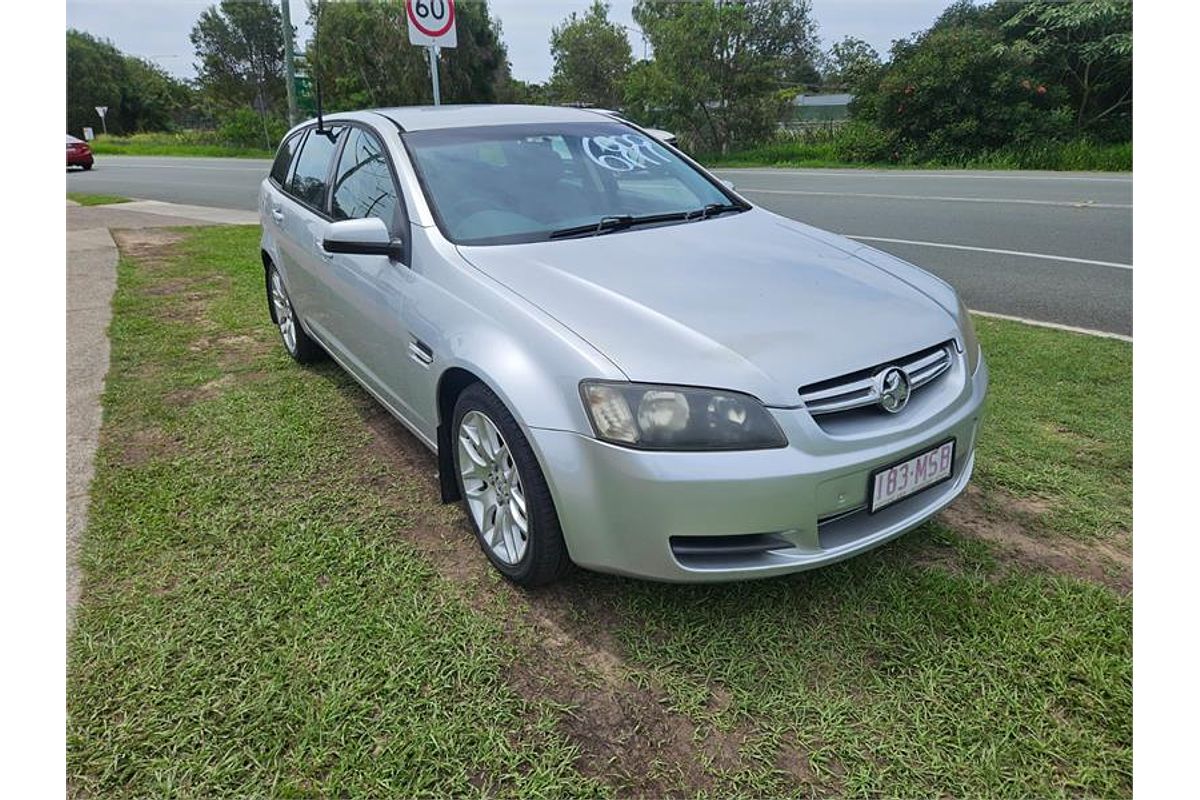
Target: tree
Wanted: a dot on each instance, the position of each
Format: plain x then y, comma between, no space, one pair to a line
851,63
1088,46
239,52
591,59
361,54
960,91
523,92
720,66
1009,75
139,95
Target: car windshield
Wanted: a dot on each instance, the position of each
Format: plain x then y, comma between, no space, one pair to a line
506,184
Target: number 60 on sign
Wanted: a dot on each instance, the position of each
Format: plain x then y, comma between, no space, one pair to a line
431,23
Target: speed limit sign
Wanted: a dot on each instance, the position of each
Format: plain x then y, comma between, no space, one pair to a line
431,23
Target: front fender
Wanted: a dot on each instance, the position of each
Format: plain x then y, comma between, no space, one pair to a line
473,323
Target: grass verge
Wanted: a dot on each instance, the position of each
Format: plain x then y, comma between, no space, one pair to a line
275,604
1060,425
826,151
85,199
172,144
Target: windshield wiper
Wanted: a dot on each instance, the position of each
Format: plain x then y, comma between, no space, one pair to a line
713,209
616,222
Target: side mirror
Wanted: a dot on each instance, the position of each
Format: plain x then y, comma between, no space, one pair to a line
728,184
362,237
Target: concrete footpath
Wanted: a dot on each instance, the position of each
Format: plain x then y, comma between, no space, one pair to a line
91,281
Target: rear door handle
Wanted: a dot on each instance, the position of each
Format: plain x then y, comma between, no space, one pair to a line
277,214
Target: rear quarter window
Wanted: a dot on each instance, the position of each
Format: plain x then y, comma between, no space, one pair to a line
283,159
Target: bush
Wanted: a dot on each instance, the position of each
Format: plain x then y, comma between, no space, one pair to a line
245,128
859,141
961,93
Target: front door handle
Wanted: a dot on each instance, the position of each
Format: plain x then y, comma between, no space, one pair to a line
277,214
319,244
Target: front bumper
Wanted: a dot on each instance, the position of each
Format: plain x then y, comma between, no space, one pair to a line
625,511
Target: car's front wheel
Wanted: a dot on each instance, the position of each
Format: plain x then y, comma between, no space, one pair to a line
299,344
505,494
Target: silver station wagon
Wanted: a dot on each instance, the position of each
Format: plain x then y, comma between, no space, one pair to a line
619,361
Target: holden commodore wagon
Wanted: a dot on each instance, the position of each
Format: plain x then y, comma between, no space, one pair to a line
619,361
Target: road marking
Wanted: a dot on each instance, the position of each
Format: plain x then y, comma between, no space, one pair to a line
1020,253
942,198
1055,325
821,173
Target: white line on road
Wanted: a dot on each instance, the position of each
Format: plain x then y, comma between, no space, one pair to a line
1020,253
942,198
822,173
1055,325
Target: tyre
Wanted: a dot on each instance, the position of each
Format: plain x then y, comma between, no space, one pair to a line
299,344
87,167
504,492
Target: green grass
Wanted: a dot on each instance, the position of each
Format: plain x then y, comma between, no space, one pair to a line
824,151
96,199
1060,424
252,621
261,617
897,680
192,143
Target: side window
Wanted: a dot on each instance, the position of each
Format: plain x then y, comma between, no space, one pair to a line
312,167
283,159
363,186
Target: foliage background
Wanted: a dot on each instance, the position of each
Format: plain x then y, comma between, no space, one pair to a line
1031,83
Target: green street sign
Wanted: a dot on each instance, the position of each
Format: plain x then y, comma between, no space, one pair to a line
305,98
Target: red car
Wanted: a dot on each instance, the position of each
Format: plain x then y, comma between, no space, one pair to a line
78,153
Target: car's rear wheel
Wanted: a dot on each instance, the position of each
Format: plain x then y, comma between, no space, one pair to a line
299,344
87,167
505,494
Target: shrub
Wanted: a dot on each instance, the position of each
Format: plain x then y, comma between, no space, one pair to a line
861,141
961,92
243,127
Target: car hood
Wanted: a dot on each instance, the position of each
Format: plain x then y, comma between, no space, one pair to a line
751,301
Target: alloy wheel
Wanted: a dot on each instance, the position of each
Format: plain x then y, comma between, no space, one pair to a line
493,489
283,312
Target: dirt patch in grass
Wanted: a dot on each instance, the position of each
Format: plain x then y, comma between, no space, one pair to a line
150,247
181,398
626,734
146,445
1011,525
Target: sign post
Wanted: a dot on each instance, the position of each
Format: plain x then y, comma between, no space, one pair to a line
431,25
102,110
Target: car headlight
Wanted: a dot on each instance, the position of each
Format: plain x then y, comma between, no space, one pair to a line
970,342
651,417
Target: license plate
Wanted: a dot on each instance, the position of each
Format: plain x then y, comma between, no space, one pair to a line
891,484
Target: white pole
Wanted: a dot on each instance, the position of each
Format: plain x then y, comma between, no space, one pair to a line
433,69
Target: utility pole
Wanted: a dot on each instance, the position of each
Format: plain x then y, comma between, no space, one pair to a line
289,62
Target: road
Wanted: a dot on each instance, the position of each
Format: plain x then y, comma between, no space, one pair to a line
1051,247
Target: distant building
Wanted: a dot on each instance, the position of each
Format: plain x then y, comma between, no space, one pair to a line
819,108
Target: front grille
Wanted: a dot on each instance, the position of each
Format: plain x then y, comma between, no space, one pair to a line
858,389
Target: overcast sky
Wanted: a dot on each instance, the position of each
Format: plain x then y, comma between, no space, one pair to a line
158,30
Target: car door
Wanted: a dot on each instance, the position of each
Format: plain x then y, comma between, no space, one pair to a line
368,292
274,200
302,217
